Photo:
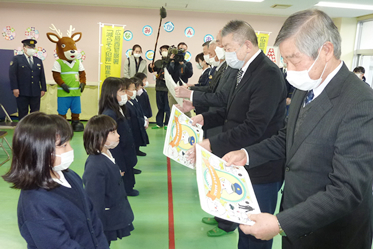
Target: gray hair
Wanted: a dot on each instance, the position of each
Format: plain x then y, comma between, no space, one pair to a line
241,30
206,44
311,29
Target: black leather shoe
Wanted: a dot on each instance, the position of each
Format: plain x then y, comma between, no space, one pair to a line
137,171
134,192
140,153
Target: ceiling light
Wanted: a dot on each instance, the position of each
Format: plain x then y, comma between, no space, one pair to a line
345,5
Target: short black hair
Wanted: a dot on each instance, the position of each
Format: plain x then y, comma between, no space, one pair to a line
34,144
136,81
181,43
200,57
141,76
163,47
127,82
136,46
359,69
108,98
96,131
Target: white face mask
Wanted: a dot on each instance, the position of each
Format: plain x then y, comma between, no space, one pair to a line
233,61
137,55
66,159
30,51
199,66
139,92
214,62
301,79
220,53
133,94
206,57
112,145
359,75
164,54
146,84
124,99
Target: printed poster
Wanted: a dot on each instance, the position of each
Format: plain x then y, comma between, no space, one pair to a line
170,83
225,192
111,52
180,137
263,41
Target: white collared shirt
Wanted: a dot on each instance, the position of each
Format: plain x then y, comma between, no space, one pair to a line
318,90
62,179
110,156
29,57
246,66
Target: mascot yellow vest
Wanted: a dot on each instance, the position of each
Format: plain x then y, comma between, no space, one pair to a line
71,77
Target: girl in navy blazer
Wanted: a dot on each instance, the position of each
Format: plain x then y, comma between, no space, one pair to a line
54,211
103,179
113,103
142,95
137,120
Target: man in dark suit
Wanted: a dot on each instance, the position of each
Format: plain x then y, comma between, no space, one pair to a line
27,79
327,144
255,111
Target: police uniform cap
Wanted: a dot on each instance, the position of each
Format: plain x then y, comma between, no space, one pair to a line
29,42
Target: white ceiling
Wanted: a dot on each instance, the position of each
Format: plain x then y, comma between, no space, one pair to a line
223,6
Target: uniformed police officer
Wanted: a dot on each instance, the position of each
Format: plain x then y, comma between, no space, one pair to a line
27,79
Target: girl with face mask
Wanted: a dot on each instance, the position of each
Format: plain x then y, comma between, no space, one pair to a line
135,63
142,95
113,103
203,65
137,120
102,178
54,211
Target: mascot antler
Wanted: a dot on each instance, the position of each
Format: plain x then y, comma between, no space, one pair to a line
53,28
70,32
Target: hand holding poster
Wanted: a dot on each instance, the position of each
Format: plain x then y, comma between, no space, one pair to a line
225,192
170,83
180,137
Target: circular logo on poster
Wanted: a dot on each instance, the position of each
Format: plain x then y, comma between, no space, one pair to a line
169,26
147,30
149,55
189,32
127,35
208,37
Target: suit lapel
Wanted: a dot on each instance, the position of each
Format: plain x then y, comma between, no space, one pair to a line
315,114
245,78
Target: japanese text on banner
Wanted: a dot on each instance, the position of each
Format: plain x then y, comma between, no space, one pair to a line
263,41
111,53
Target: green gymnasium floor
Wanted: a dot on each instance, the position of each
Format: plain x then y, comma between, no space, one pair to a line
151,207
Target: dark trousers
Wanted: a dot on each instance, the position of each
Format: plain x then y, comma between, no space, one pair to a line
163,107
266,195
23,104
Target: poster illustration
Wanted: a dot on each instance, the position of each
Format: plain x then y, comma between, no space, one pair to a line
180,137
225,192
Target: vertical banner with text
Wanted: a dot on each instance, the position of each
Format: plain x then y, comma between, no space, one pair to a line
111,52
263,41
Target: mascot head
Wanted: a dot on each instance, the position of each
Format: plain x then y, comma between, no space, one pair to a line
65,46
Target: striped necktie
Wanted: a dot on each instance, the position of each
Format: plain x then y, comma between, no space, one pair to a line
30,61
239,77
309,97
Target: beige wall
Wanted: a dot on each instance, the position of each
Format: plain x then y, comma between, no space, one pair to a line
86,19
347,29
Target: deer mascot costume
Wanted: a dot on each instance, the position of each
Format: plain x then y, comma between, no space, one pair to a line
69,74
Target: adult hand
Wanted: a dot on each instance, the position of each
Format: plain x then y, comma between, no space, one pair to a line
42,93
147,124
65,88
265,227
237,157
182,92
187,105
172,56
288,101
82,86
197,120
16,93
191,155
181,62
151,65
205,144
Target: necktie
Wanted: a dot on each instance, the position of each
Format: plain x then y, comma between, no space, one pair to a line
309,97
30,61
239,77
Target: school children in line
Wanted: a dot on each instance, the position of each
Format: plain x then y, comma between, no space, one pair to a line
113,103
103,179
137,120
54,211
142,95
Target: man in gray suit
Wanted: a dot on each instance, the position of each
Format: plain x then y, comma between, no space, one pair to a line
327,144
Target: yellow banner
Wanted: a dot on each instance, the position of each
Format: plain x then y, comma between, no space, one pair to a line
263,41
111,52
